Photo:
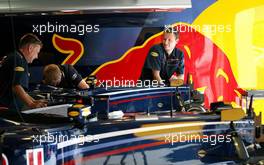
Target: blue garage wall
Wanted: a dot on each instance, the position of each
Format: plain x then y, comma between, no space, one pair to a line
118,33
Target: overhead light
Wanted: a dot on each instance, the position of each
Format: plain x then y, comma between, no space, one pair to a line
69,11
18,6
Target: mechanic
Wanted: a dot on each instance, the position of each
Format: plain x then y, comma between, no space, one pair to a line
14,73
165,62
65,76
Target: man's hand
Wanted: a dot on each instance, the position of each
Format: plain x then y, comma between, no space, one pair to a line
176,80
175,77
83,85
28,100
38,104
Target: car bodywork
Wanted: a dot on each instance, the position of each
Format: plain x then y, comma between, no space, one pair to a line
133,138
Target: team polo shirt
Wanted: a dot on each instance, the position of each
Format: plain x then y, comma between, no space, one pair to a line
13,71
70,77
158,59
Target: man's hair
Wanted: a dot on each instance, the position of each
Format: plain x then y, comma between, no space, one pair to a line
52,75
29,38
173,30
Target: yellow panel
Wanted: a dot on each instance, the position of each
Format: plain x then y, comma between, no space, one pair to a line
242,39
232,114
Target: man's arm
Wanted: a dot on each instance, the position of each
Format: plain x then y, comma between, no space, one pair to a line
153,62
83,85
156,76
28,100
76,78
180,74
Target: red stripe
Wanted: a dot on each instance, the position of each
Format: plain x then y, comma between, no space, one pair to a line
117,151
39,158
30,158
139,98
4,161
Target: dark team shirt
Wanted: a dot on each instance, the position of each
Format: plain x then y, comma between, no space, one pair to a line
13,71
70,77
158,59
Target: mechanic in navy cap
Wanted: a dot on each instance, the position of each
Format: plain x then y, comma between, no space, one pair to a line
164,62
14,73
64,76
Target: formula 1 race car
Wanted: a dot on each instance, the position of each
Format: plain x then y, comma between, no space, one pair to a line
115,127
